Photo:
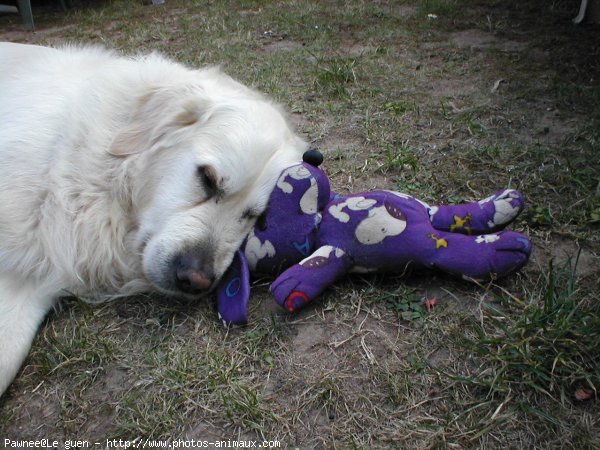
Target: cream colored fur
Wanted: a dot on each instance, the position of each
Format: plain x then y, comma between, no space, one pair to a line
99,185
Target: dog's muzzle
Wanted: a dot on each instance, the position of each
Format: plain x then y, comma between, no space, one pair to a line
192,273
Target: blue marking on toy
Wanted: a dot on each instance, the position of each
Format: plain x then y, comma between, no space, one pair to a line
303,248
233,288
526,242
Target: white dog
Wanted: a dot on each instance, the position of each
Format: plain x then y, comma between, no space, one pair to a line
123,175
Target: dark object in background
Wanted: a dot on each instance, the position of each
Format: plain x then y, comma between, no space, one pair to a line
24,7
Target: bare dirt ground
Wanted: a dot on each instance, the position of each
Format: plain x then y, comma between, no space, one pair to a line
446,100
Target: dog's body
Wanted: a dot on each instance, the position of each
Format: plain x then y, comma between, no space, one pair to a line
123,175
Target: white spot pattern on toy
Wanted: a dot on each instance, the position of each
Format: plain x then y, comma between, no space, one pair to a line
298,172
308,202
256,250
487,238
432,210
353,204
323,252
505,211
377,226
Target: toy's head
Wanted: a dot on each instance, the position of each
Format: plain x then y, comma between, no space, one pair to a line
286,234
283,236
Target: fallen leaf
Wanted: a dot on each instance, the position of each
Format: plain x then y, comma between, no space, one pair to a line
430,303
582,393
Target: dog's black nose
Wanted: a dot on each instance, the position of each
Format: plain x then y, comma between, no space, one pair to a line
190,275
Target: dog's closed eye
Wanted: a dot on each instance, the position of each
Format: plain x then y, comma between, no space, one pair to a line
261,222
261,218
209,181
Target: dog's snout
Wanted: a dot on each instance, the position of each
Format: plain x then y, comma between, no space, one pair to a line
191,275
192,281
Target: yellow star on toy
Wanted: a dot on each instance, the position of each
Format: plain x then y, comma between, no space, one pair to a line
460,222
439,242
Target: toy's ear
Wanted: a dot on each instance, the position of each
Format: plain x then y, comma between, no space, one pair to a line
233,292
313,157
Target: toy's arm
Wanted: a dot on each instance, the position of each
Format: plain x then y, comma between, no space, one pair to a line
304,281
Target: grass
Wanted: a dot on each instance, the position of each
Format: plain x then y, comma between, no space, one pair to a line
334,74
549,346
443,8
529,357
395,103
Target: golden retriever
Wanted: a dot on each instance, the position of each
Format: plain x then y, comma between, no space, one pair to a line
121,175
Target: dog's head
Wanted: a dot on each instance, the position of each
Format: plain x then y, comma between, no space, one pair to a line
207,157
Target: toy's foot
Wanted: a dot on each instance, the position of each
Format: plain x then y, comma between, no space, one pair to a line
288,293
485,216
483,257
303,282
298,286
509,253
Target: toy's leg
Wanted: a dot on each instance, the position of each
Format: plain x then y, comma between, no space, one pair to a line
485,216
483,257
303,282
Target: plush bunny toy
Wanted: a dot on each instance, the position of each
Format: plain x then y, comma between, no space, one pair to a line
311,237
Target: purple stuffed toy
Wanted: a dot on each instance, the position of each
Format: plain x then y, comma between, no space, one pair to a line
311,237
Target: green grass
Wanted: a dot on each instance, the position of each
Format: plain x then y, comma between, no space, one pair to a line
401,157
528,359
443,8
334,74
548,343
395,104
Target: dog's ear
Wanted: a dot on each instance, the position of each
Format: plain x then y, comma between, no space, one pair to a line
158,112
